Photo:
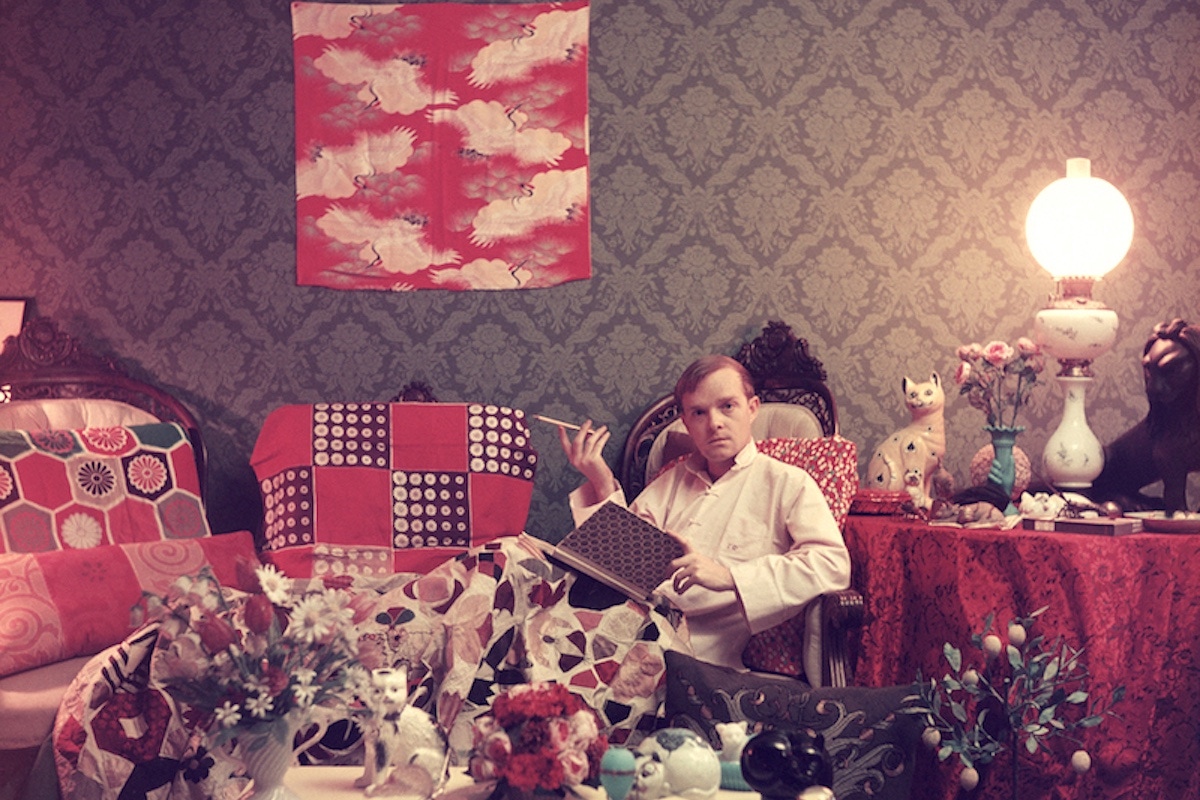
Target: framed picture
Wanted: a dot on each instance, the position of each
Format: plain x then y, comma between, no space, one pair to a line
12,316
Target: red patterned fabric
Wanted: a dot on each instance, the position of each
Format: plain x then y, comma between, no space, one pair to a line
441,145
1130,602
832,462
75,489
66,603
376,488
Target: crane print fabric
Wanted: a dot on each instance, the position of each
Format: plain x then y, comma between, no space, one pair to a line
441,145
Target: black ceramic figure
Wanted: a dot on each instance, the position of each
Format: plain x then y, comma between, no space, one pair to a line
1166,444
782,764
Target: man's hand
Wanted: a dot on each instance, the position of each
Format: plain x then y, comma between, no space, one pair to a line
697,569
586,454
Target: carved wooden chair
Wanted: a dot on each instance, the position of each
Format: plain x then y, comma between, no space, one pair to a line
797,405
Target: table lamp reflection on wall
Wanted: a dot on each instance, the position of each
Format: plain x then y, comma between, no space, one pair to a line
1078,228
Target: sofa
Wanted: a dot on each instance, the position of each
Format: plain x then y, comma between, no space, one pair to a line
418,506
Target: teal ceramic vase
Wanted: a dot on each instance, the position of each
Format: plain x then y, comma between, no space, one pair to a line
1004,469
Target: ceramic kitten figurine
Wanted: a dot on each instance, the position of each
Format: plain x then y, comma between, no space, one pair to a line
911,458
733,736
404,746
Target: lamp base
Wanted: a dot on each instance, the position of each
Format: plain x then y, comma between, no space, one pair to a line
1073,456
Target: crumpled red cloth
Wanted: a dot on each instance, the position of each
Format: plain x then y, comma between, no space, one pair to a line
1131,602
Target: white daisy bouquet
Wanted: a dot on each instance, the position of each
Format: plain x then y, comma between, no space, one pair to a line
238,660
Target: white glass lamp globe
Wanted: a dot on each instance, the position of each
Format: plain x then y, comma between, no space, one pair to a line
1079,226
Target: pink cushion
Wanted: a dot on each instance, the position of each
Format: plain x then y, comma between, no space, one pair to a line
75,489
66,603
368,489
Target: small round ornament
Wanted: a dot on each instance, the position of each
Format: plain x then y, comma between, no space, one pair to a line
617,772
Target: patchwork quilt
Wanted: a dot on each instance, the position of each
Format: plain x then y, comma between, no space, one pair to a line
496,615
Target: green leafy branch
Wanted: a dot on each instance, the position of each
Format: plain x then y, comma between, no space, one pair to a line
1037,691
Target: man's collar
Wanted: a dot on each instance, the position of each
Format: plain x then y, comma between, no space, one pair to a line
697,464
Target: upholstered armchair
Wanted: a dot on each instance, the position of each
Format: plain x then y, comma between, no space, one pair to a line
797,422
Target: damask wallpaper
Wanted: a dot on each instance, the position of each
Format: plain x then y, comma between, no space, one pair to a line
858,170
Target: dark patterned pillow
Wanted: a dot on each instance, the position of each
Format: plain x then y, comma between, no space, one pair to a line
873,748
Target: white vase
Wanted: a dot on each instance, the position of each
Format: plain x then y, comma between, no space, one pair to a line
266,750
1073,456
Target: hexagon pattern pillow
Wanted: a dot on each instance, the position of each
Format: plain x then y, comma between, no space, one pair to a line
77,489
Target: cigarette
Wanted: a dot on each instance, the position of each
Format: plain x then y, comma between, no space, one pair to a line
568,425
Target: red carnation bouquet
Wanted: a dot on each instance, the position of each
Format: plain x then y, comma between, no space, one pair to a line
538,737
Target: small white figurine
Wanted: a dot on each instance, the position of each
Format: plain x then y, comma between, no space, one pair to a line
1041,505
404,746
734,736
678,762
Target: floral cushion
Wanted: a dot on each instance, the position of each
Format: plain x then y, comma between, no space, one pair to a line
75,489
832,462
376,488
66,603
872,746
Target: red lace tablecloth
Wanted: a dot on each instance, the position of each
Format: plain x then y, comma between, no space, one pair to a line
1132,603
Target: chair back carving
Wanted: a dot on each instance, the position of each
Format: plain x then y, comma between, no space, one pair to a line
44,363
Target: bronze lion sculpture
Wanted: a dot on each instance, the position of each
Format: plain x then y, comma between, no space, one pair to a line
1166,444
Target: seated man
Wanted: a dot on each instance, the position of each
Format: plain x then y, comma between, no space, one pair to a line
760,540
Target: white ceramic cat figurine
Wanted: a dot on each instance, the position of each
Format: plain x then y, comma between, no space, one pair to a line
911,458
733,736
404,746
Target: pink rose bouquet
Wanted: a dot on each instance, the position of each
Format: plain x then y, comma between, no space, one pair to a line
997,377
538,736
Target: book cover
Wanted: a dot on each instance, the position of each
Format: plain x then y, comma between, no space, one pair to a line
1100,526
619,548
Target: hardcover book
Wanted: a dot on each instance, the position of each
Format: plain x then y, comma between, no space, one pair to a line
620,549
1100,526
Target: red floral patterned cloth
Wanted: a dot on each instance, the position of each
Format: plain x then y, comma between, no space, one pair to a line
833,463
1130,602
76,489
441,145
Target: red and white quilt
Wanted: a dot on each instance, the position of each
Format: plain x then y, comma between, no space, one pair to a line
441,145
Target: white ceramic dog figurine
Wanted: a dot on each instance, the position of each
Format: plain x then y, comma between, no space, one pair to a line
675,761
404,746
